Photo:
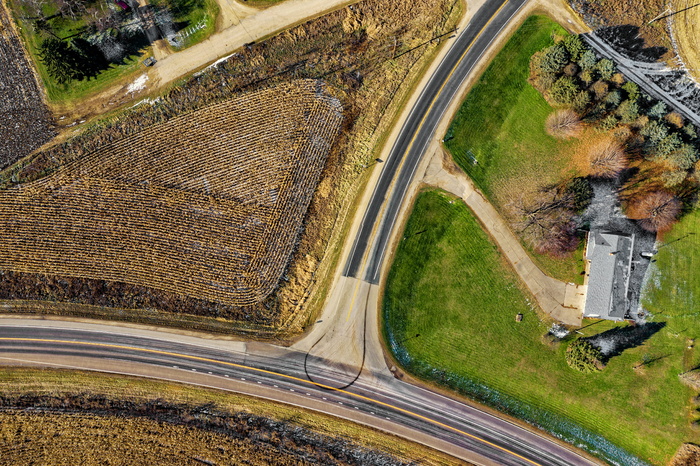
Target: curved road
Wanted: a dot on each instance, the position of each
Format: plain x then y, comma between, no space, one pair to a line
380,217
375,398
278,373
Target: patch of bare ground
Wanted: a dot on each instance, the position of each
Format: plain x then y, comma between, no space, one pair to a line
368,54
687,455
67,417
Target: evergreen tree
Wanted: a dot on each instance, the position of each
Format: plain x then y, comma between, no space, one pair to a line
606,68
575,46
588,60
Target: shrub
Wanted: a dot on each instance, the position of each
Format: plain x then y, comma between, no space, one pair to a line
673,178
543,82
564,123
581,101
655,131
607,123
588,60
690,131
563,91
618,79
606,158
550,60
632,90
571,69
584,357
587,76
606,68
658,110
600,89
613,98
575,46
656,211
628,111
675,119
683,157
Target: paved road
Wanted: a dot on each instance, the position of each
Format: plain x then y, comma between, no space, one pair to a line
414,412
371,243
279,373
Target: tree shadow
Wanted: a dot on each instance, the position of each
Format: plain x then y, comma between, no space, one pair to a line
616,340
626,39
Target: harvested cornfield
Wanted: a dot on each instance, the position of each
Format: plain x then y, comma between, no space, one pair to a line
26,122
685,28
207,205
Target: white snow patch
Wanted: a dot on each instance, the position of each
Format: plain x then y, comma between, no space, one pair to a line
138,85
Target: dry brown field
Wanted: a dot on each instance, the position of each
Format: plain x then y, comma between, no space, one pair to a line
207,205
25,121
685,30
53,417
637,13
369,55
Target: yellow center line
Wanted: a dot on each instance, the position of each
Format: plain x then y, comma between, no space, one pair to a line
420,125
277,374
352,301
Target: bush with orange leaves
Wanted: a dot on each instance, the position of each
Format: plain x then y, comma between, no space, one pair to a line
602,158
656,211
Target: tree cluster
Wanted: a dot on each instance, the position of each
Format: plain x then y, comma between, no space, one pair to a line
652,149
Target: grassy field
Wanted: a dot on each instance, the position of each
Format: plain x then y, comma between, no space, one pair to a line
450,284
198,14
500,126
79,434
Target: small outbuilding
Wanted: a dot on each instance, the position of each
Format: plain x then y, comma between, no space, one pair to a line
609,264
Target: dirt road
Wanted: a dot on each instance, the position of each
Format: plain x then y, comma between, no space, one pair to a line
245,25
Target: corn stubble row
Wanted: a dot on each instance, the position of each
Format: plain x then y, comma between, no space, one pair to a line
25,122
208,204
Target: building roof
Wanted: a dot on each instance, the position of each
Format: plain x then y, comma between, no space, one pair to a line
610,256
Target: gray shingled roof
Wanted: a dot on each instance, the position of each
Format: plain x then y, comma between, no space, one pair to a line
609,255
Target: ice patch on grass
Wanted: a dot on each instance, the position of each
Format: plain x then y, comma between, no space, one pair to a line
138,85
558,331
555,424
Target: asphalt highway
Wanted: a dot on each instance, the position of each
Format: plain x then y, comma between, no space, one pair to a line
376,398
372,240
381,402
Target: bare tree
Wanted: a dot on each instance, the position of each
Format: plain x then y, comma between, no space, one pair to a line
563,124
545,219
71,8
657,211
603,158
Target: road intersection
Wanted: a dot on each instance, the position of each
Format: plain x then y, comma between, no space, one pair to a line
340,363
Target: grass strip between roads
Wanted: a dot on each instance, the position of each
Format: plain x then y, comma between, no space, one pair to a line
498,134
449,317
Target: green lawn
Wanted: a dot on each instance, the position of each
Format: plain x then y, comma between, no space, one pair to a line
674,288
187,12
193,14
450,284
500,125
